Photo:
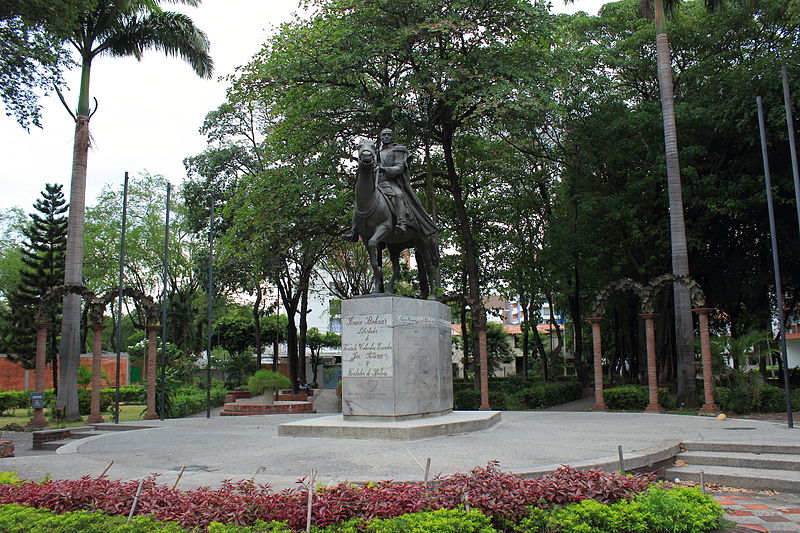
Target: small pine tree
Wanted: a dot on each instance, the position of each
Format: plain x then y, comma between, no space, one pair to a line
43,254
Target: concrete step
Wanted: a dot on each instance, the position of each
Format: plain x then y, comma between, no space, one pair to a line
771,461
53,444
746,478
110,426
84,433
741,447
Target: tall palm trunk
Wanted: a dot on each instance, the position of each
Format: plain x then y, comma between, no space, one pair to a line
70,352
687,387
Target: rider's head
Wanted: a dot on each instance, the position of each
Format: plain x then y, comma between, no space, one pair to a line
387,136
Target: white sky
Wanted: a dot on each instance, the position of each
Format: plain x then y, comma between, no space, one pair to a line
150,111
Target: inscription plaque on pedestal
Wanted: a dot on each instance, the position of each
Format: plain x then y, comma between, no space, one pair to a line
396,360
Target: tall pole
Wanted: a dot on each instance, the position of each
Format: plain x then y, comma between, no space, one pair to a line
119,296
164,312
776,265
792,147
210,304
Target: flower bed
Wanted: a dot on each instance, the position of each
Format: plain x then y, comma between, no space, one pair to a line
505,500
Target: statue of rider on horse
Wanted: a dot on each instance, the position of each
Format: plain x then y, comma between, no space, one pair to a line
389,215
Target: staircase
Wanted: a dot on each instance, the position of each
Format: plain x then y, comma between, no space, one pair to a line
749,466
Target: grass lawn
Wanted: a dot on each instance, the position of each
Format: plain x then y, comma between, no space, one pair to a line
127,413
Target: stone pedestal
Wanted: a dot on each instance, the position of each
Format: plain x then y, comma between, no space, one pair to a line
396,358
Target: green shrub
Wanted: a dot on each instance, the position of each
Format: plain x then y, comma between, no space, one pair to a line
267,379
354,525
8,400
185,401
440,521
136,394
658,510
771,399
466,400
767,399
543,395
636,398
259,527
9,478
21,519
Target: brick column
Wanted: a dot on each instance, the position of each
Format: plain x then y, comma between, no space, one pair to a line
151,372
484,368
652,377
597,349
97,341
709,406
38,420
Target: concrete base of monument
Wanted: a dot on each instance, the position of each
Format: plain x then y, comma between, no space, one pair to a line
336,427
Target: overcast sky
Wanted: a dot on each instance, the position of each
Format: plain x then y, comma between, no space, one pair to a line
150,111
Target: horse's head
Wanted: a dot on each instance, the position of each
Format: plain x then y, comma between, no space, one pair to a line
367,154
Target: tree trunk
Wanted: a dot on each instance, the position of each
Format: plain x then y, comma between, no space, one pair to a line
542,354
686,378
526,331
257,324
301,350
574,302
471,266
69,353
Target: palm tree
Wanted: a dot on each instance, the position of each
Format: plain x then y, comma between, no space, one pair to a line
684,331
117,28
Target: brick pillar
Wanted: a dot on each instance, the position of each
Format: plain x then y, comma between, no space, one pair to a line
708,376
652,377
597,349
97,341
38,420
151,372
484,364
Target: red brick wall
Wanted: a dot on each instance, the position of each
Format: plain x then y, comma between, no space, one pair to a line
12,375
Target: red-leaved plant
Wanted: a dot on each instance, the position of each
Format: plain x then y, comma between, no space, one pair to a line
500,495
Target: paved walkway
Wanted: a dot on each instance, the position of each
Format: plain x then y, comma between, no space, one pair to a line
778,513
249,447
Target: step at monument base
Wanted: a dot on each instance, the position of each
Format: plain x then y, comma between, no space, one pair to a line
337,427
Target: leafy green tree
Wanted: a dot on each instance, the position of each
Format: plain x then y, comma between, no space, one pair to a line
316,341
116,28
34,54
611,209
42,268
12,223
435,71
144,256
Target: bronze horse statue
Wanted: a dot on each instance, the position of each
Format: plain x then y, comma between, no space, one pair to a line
374,221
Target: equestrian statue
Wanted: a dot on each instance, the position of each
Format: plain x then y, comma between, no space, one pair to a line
389,215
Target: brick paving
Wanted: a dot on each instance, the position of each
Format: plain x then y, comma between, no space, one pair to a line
754,511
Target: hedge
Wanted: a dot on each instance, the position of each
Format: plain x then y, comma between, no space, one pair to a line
505,397
636,398
767,399
21,399
659,510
